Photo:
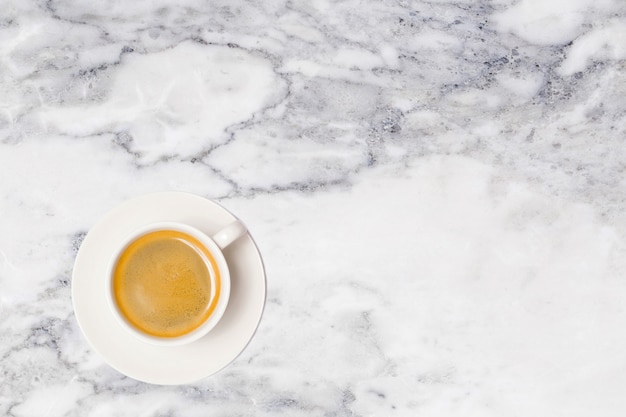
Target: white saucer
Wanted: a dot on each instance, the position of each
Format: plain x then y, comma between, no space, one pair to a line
159,364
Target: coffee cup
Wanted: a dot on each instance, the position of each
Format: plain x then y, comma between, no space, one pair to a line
168,283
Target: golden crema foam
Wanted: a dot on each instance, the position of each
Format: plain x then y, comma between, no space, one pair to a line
162,283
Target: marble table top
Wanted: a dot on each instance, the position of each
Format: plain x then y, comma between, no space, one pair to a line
438,189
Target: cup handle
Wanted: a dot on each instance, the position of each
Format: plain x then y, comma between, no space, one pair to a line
229,234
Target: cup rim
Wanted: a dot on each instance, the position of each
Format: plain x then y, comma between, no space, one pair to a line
222,265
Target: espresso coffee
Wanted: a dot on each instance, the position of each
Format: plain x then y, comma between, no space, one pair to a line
166,283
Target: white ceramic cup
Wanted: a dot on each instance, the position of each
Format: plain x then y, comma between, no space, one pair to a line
214,244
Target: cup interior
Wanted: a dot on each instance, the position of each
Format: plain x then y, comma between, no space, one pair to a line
219,287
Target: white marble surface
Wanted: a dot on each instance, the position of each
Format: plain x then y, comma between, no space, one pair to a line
437,187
